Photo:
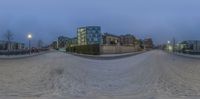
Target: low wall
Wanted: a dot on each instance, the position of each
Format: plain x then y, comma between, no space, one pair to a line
107,49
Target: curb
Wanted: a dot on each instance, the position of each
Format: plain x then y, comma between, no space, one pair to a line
99,57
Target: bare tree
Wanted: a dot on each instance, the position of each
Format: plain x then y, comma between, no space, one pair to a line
9,37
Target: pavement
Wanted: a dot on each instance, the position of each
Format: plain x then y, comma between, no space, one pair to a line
107,56
151,75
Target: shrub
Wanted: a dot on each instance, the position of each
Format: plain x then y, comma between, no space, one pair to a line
85,49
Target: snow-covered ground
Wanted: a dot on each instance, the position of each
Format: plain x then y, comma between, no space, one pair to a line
151,75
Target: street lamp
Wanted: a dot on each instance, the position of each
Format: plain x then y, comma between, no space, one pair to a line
168,42
29,38
169,47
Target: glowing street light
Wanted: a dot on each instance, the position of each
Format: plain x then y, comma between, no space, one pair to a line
168,42
29,38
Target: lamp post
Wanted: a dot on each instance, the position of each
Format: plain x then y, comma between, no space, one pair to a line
29,38
169,47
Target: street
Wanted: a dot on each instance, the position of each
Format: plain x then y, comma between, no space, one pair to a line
56,75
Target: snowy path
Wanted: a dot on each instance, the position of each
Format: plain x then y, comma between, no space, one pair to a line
151,75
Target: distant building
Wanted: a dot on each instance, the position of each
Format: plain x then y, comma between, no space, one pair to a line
62,41
4,45
89,35
148,43
190,45
17,46
127,40
110,39
54,44
72,42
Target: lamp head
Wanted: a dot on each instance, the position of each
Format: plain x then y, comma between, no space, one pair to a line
29,36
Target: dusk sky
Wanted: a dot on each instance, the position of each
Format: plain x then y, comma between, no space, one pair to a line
47,19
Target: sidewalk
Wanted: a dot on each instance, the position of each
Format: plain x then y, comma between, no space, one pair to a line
107,56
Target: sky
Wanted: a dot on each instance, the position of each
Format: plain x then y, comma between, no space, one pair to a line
161,20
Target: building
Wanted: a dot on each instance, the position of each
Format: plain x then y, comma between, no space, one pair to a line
110,39
62,41
54,44
72,42
17,46
190,45
89,35
127,40
4,45
148,43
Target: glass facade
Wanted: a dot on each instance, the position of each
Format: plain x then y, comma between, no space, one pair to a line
89,35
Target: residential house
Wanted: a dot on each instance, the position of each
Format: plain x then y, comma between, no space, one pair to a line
148,43
110,39
127,40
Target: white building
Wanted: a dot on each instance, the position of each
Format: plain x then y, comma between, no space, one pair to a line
4,45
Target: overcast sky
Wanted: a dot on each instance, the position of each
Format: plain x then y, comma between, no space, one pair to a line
47,19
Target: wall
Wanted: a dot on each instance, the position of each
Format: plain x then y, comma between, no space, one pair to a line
109,49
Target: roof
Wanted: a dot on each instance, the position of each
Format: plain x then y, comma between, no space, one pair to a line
190,41
89,27
107,34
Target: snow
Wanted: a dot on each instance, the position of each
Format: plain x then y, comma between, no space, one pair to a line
151,75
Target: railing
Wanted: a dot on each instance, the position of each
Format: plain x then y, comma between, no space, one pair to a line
21,52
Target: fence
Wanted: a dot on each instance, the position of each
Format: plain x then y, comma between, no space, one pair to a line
21,52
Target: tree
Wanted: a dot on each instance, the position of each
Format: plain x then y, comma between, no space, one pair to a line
9,37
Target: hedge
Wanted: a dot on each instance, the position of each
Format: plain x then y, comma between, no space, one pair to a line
85,49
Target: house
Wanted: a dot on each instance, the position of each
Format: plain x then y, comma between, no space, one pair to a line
127,40
148,43
110,39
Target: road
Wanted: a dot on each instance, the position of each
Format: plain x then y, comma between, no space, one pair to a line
151,75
